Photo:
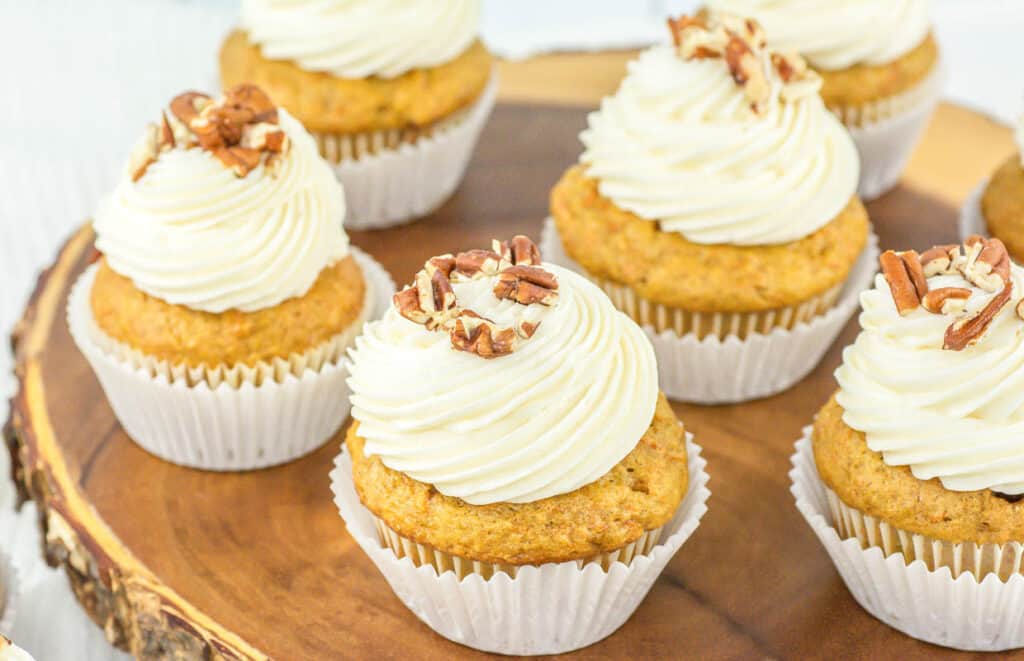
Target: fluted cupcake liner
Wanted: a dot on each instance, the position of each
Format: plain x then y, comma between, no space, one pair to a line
393,177
757,355
972,220
550,609
886,132
929,603
9,590
251,418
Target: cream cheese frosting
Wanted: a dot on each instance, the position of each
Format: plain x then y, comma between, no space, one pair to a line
362,38
191,232
680,143
953,415
552,416
839,34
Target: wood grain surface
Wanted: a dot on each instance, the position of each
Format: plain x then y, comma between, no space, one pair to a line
172,561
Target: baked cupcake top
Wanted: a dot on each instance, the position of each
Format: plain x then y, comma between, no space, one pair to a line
935,380
498,378
11,652
225,204
721,139
362,38
839,34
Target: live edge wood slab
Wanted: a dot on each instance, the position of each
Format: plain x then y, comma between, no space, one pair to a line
182,564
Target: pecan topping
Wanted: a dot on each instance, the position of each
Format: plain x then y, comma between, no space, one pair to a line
986,264
946,300
905,291
940,260
144,153
431,300
965,332
742,45
238,129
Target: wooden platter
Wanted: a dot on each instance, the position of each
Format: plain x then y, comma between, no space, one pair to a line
176,563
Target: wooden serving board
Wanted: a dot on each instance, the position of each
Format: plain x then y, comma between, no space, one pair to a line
178,563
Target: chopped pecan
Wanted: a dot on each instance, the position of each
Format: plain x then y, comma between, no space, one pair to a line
526,329
166,138
904,292
188,105
946,300
479,336
527,285
940,260
987,263
250,99
240,160
676,26
443,263
264,136
144,153
521,250
965,332
477,262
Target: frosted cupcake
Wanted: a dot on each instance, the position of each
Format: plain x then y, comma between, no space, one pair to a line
879,64
511,451
226,292
11,652
392,91
716,205
912,475
996,208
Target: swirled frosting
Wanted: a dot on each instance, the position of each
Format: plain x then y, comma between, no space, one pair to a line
953,415
361,38
191,232
680,144
838,34
554,415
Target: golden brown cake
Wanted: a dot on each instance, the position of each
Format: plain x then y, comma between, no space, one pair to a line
638,494
1002,205
324,103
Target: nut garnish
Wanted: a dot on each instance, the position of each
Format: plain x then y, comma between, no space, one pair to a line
905,292
965,332
940,260
946,300
742,45
239,129
431,300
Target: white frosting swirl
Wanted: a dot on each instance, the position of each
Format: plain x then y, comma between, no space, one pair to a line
953,415
838,34
679,143
553,416
190,232
361,38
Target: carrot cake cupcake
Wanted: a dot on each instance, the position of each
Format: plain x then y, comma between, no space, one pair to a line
716,204
225,287
879,65
486,461
997,207
915,457
390,90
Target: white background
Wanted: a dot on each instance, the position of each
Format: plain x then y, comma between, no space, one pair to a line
79,79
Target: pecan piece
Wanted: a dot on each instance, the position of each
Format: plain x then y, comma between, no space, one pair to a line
521,250
253,101
144,153
940,260
526,285
479,336
965,332
904,291
678,25
946,300
987,263
166,139
477,262
264,136
443,263
240,160
188,105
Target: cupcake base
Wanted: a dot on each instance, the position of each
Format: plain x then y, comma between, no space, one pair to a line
391,179
886,133
225,420
550,609
924,603
743,362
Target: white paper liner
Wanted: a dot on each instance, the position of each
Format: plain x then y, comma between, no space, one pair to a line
10,589
887,132
926,604
223,427
550,609
711,370
972,220
393,180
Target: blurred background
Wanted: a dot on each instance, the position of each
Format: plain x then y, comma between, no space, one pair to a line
80,78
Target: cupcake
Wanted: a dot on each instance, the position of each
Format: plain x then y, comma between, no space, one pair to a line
879,65
911,475
996,208
225,293
11,652
511,452
716,205
395,93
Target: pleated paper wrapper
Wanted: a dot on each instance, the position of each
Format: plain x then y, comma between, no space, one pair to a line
393,177
886,132
925,588
226,418
972,220
717,358
550,609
